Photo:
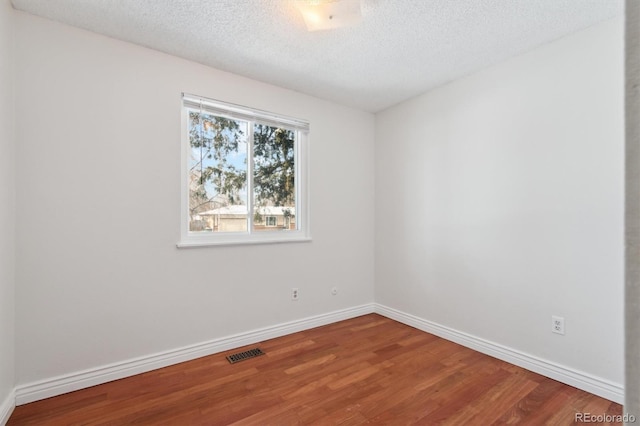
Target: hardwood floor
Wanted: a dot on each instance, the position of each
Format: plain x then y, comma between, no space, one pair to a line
367,370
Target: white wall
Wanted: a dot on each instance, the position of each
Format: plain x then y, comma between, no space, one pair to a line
7,207
100,279
499,202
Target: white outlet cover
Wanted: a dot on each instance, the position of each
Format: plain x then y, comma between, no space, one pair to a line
557,324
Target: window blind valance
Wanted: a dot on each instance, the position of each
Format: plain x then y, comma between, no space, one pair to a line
239,112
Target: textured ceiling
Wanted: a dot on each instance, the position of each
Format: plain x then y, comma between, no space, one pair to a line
401,48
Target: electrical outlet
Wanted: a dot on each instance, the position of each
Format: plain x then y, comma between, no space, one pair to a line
557,324
294,294
334,290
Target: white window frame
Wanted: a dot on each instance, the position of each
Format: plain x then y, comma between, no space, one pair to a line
301,127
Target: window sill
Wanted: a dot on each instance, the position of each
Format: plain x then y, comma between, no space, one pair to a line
208,241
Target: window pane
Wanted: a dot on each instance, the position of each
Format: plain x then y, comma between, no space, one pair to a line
274,178
217,174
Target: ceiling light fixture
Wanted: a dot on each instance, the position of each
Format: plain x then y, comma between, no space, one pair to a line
329,14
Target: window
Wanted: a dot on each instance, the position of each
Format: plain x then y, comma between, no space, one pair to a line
243,175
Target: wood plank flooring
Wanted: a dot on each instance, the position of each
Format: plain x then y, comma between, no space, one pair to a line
367,370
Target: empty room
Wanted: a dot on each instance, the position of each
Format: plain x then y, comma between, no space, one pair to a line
278,212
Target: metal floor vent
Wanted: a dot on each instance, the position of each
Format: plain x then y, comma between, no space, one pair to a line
241,356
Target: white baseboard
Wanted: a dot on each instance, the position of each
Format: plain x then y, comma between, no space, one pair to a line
95,376
587,382
7,406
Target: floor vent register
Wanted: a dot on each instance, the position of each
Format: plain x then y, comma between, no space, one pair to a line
242,356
